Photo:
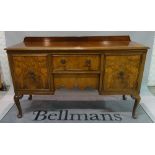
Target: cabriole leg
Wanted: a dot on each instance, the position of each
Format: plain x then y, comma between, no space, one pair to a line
132,97
124,97
30,97
17,102
137,101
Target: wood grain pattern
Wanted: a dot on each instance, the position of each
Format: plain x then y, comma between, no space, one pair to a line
80,81
76,43
76,62
121,72
76,39
31,72
113,65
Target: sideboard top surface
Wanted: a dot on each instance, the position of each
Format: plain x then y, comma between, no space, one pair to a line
77,43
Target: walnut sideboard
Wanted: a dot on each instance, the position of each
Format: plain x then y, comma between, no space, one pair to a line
113,65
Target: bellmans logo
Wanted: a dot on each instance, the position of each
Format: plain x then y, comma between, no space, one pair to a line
66,115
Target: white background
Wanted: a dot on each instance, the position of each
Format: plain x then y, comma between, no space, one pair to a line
4,65
151,78
78,139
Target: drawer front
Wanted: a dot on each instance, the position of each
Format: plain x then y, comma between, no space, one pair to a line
76,63
80,81
30,72
121,72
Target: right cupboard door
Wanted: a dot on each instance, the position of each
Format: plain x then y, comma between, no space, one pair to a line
121,72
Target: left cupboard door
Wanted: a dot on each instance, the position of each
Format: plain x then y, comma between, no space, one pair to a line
30,72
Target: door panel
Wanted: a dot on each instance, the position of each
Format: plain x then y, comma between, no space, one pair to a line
121,72
30,72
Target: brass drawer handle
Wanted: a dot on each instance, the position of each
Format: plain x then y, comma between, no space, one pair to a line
88,63
63,61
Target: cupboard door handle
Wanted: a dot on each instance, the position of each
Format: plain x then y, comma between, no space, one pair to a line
121,75
31,75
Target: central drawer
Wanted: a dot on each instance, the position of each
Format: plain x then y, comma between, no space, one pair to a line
80,81
76,63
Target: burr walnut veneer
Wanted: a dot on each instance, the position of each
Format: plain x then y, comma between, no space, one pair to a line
111,64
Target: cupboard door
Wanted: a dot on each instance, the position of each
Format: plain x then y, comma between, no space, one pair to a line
121,72
30,72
